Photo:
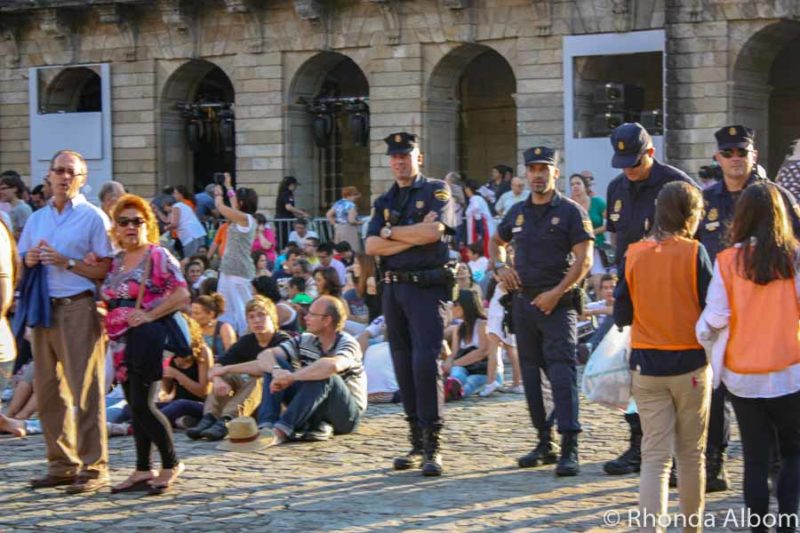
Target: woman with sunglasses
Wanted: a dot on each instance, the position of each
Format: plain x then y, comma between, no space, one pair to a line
142,290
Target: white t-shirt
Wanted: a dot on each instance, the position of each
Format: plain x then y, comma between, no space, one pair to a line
379,369
189,226
301,241
8,350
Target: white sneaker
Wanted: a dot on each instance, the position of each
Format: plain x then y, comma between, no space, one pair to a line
516,389
488,389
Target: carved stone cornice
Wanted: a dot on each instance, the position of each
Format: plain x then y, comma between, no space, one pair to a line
455,5
623,15
251,16
9,36
124,18
309,10
57,24
391,19
177,16
543,17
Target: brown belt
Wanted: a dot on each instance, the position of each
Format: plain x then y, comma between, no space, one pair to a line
69,299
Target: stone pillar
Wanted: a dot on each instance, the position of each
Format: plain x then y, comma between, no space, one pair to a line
259,125
441,137
395,95
697,88
540,95
133,119
14,123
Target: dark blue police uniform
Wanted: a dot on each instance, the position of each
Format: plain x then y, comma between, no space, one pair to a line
542,237
410,303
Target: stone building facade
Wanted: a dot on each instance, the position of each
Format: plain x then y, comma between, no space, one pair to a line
265,83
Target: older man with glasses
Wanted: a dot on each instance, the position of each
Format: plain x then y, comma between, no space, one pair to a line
737,157
631,208
69,355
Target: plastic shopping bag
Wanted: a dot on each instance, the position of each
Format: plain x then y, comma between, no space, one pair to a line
607,377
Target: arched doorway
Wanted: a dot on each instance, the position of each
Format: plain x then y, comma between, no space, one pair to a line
328,115
471,116
72,90
197,125
766,90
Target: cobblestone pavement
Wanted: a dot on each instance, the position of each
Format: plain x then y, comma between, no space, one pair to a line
347,483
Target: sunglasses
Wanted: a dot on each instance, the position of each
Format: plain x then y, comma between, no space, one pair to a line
66,171
124,222
730,152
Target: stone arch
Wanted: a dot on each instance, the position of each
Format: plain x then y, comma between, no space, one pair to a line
73,90
191,154
323,170
765,89
470,112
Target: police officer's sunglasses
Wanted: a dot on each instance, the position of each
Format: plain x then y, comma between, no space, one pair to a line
727,153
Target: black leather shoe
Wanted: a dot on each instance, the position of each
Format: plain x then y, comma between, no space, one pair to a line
414,458
206,422
568,464
431,445
217,431
545,453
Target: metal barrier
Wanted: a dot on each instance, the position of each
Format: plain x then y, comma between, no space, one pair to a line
319,225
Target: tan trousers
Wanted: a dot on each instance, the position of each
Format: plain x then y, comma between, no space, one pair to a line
674,411
69,381
245,400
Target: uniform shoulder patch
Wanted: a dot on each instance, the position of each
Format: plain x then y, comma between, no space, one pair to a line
442,194
587,225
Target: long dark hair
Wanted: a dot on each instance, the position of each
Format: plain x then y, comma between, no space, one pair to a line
333,286
762,225
472,307
285,183
677,205
368,268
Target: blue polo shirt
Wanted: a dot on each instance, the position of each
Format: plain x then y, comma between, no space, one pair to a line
720,204
543,236
631,206
411,204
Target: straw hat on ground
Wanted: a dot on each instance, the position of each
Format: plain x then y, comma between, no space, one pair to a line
244,436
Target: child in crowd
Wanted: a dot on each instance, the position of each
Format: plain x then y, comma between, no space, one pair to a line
478,263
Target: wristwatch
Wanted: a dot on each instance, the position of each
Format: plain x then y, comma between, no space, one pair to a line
71,264
386,233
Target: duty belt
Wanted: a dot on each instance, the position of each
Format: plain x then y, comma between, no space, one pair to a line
401,277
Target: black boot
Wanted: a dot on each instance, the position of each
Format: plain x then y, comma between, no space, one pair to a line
568,463
716,476
197,431
545,453
673,475
431,445
414,458
630,461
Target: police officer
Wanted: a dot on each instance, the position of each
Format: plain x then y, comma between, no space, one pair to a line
737,157
552,242
409,229
631,209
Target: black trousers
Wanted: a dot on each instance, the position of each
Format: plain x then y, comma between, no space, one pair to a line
150,426
759,419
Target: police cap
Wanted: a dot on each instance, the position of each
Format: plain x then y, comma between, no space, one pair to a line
540,154
736,136
400,143
629,140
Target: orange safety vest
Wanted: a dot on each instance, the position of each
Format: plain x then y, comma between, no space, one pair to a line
662,279
765,321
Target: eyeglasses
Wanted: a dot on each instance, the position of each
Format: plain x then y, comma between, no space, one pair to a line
730,152
124,222
66,171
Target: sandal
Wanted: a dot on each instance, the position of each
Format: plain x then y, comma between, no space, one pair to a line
131,486
163,487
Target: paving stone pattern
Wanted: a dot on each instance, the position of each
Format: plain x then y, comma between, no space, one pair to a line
347,484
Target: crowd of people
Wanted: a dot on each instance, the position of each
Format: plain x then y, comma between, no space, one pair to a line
197,312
